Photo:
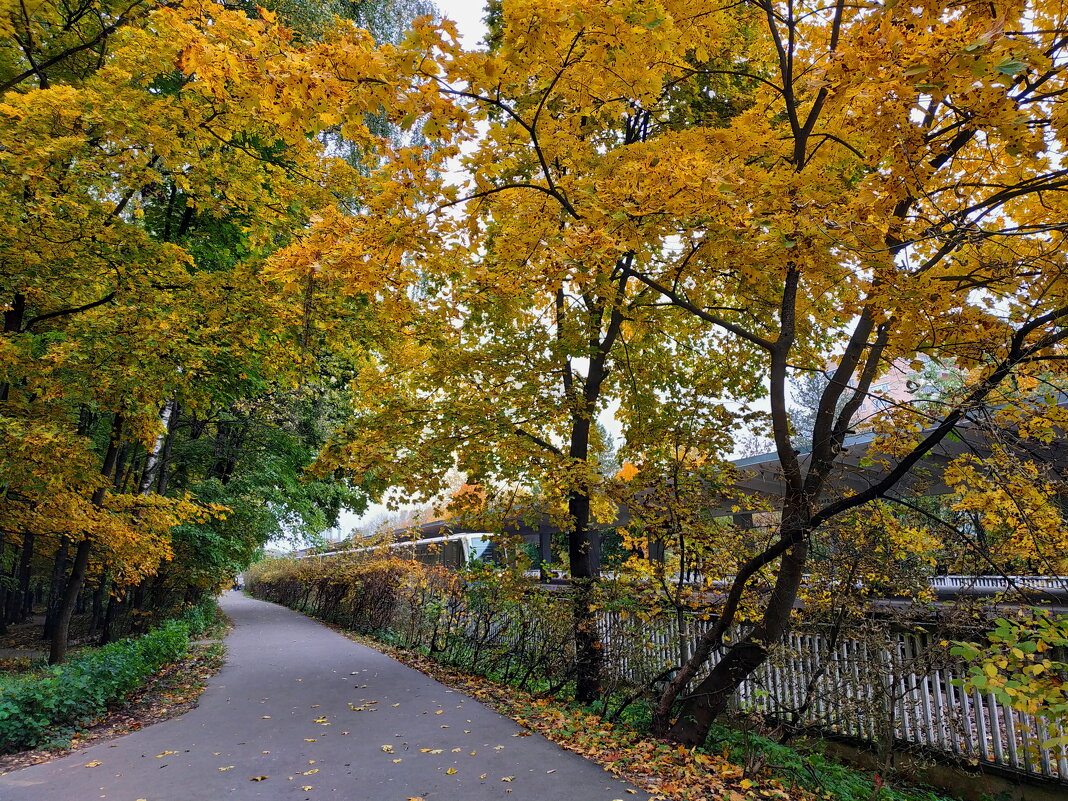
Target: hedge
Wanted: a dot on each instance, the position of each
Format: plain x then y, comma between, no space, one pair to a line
39,708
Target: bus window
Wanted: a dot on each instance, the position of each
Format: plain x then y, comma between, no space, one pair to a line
479,549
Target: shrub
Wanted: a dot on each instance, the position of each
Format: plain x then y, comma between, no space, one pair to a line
36,709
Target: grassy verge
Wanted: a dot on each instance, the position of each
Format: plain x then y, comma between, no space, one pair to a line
44,708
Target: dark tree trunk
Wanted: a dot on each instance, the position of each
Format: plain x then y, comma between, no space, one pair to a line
711,697
109,618
98,605
229,439
120,465
25,598
3,589
589,655
58,652
8,611
139,596
13,318
55,586
582,556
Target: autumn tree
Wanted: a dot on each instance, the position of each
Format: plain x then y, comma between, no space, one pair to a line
524,268
812,186
897,197
153,158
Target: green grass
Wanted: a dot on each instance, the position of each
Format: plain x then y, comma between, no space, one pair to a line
810,769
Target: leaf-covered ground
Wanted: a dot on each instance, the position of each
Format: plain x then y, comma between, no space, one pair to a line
674,773
173,691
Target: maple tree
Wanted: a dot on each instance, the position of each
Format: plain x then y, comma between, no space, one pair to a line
146,175
809,185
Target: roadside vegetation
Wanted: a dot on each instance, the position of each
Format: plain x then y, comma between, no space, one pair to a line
43,707
495,635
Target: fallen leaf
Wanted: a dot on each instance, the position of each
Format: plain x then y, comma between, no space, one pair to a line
257,778
305,787
165,753
388,749
265,717
451,771
93,764
309,739
508,778
310,772
228,767
395,761
440,712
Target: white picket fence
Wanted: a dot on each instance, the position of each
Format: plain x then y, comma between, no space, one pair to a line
883,687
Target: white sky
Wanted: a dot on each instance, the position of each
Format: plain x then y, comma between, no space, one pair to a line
467,14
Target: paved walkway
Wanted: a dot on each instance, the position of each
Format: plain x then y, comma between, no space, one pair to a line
301,713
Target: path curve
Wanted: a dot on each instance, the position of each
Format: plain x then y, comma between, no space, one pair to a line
320,717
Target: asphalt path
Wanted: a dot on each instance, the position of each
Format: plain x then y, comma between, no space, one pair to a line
300,713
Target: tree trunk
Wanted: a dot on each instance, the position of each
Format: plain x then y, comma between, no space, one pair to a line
711,696
3,589
8,611
55,587
109,618
152,460
25,599
12,325
98,605
589,655
58,652
164,466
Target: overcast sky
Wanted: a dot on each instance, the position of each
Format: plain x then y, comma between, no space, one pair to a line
467,14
